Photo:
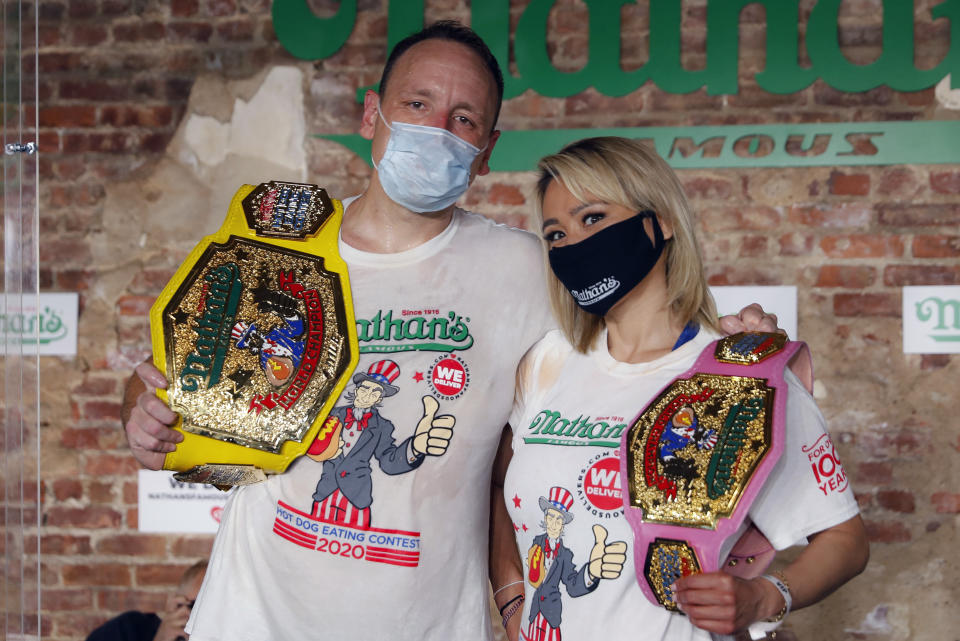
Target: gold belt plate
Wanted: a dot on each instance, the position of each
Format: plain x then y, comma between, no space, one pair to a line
256,334
691,453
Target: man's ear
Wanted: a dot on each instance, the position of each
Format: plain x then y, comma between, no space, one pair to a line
484,168
368,122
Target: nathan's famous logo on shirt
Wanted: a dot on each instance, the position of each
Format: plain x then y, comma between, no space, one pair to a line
550,428
598,485
414,330
597,291
827,469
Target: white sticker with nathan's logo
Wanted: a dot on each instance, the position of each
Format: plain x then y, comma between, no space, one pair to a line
168,505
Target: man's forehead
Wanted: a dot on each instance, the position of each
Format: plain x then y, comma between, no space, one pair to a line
411,67
370,385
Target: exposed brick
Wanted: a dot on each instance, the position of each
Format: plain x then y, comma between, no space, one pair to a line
875,473
919,215
115,574
846,276
501,194
940,246
219,8
702,187
67,599
887,532
98,410
796,244
192,547
122,600
68,116
111,465
946,502
159,574
83,518
751,217
184,8
945,182
101,493
849,184
93,90
93,385
133,545
900,275
65,544
138,306
897,501
190,32
64,489
81,438
239,30
900,182
82,8
862,246
867,305
87,34
136,116
753,246
934,361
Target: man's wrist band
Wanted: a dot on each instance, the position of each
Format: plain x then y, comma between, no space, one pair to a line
511,607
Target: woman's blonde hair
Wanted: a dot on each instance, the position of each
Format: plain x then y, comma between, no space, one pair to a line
629,173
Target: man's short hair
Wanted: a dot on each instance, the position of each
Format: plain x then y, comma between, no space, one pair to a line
455,32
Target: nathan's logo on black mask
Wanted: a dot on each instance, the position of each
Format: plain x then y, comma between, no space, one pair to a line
600,270
597,291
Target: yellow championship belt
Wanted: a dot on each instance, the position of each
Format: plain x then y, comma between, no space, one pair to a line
256,335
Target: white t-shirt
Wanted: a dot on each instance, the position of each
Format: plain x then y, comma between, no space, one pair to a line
570,413
454,315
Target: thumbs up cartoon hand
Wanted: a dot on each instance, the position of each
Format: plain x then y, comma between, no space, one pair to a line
606,559
433,432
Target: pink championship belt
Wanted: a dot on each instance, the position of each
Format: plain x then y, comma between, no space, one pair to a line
696,458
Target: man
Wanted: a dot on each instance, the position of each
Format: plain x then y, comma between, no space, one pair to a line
147,626
456,300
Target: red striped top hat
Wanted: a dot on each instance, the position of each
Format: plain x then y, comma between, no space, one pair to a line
560,500
382,373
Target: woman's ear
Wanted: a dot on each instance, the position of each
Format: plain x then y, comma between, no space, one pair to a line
666,226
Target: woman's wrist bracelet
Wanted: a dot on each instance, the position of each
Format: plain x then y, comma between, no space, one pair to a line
780,582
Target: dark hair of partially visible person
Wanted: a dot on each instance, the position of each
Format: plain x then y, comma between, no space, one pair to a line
197,568
455,32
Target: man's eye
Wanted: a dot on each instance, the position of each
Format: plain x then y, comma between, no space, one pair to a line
415,104
463,120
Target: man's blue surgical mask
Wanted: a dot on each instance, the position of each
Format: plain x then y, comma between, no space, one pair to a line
424,168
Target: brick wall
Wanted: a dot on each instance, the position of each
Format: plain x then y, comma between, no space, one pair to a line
115,79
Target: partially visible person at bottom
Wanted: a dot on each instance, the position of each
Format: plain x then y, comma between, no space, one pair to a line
629,293
148,626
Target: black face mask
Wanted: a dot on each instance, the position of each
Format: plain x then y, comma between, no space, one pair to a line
603,268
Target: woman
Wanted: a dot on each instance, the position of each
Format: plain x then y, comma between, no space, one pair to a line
629,293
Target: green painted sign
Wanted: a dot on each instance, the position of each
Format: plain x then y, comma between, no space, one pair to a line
312,37
733,146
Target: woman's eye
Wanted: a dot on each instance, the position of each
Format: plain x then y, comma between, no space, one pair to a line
553,236
592,219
